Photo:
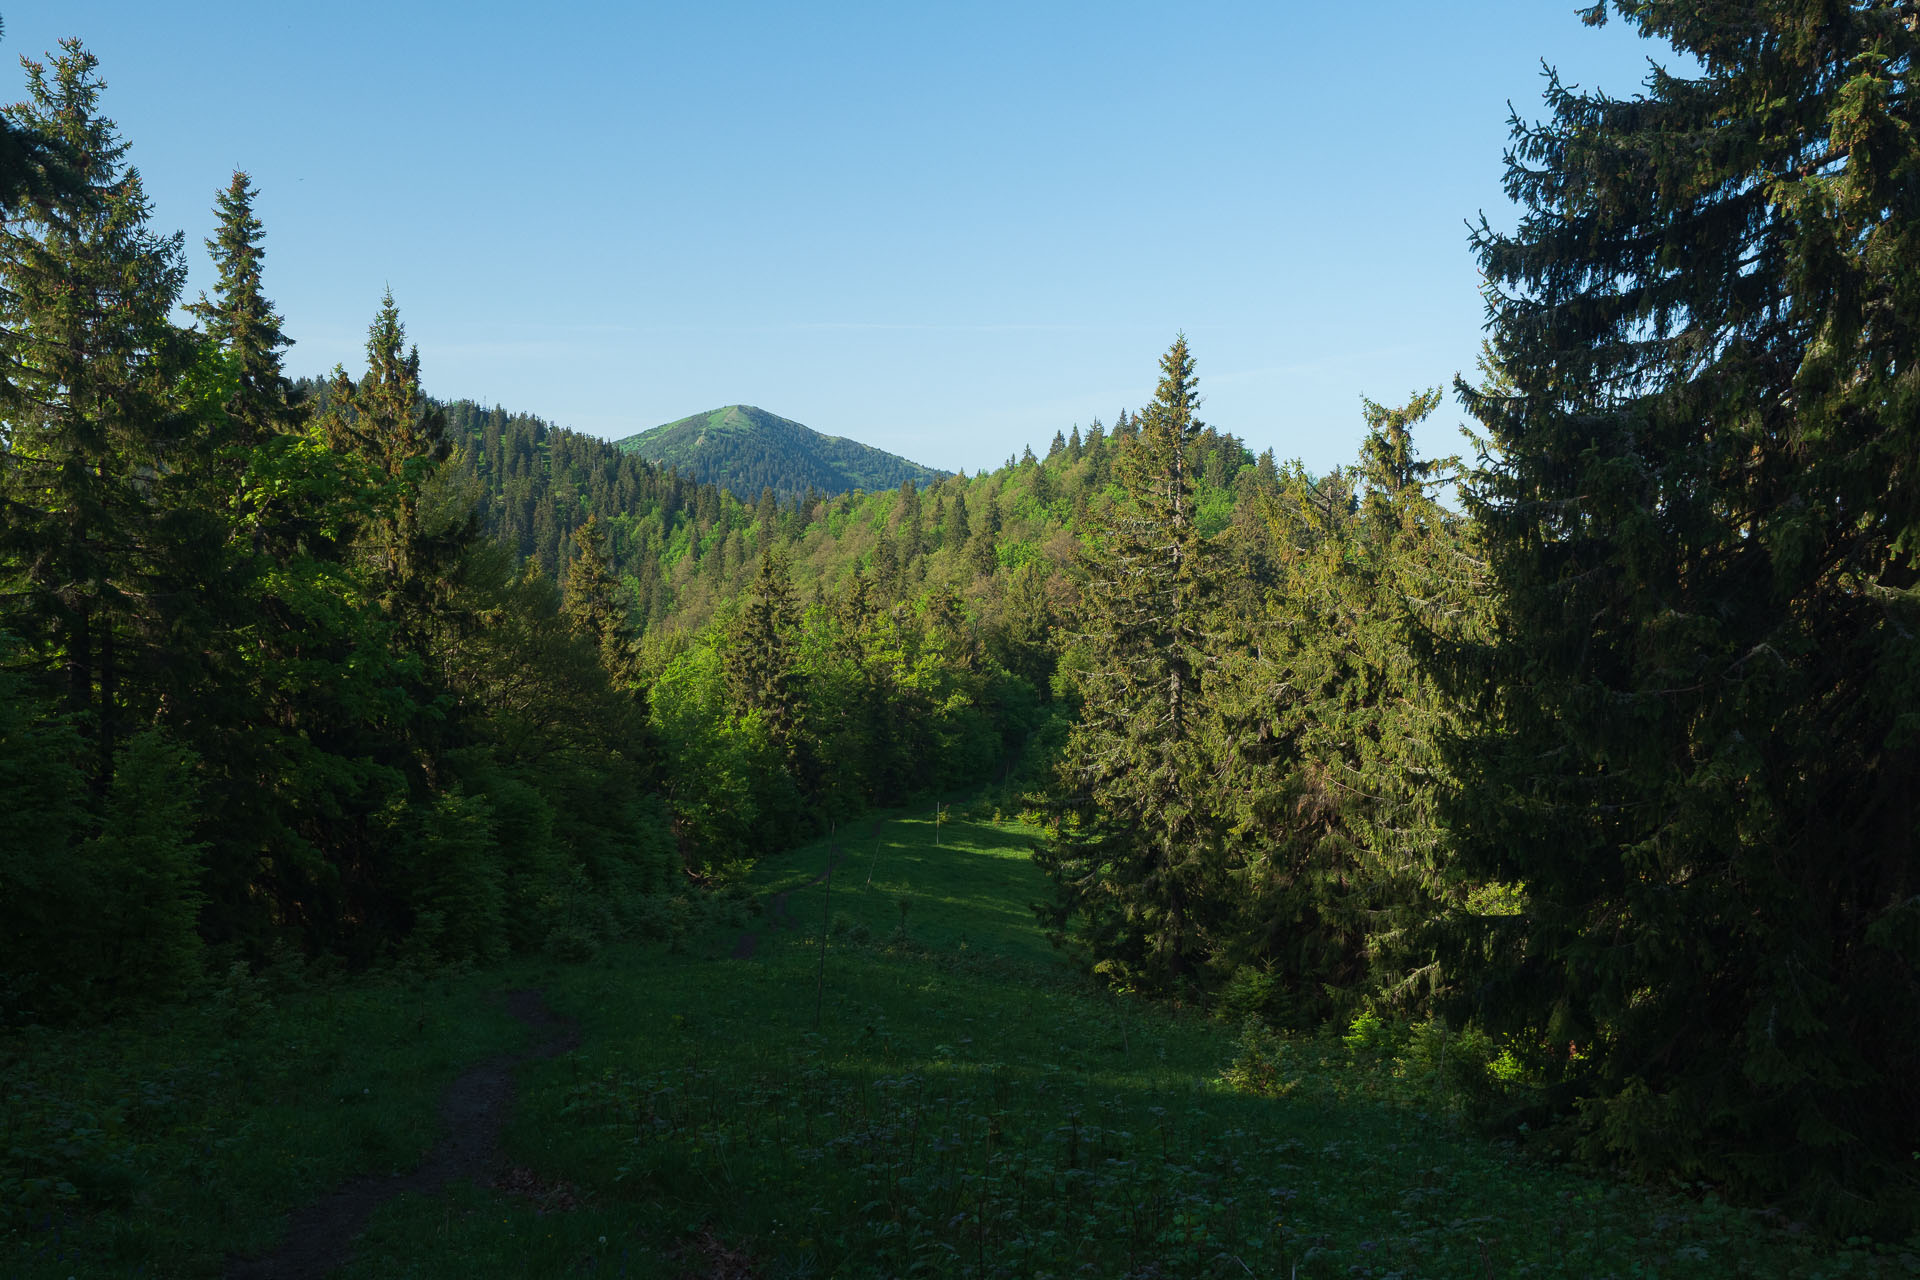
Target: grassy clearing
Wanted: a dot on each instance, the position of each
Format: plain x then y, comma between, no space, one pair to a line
964,1107
155,1146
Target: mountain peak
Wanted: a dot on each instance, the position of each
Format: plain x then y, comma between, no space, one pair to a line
745,448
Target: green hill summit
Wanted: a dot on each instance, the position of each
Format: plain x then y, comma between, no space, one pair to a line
743,448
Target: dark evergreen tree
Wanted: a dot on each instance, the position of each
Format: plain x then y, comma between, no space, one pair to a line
1136,869
240,319
762,672
1332,773
984,551
36,167
385,419
962,528
1696,753
598,605
91,362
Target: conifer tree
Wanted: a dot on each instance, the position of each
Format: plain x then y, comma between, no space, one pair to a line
762,669
91,358
908,522
1697,756
1340,860
35,167
1138,865
1042,487
240,319
984,550
385,419
598,606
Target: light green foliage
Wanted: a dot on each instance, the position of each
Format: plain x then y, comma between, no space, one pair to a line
713,760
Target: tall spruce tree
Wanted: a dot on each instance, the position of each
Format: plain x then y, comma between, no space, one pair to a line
1137,866
387,421
242,321
1696,750
91,360
598,605
762,670
34,166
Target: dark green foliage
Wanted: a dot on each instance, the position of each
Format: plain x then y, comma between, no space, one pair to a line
96,912
42,886
762,677
1695,746
744,450
1340,860
145,867
460,899
384,421
1136,868
90,360
240,319
597,603
266,685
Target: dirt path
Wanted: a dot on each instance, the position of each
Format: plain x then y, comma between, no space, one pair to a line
320,1236
780,911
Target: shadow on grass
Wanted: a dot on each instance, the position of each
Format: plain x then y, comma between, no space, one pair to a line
968,1107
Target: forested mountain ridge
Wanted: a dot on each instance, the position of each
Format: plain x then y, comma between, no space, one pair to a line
745,449
682,547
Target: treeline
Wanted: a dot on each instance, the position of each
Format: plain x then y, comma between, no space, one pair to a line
1618,764
267,681
913,635
806,659
886,644
261,681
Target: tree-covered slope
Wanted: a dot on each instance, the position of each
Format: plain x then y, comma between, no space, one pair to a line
745,449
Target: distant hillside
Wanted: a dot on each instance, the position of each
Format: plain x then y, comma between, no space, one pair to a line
744,449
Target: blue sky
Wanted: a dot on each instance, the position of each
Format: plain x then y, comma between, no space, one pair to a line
947,230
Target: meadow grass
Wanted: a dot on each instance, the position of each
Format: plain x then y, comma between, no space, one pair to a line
966,1105
156,1145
